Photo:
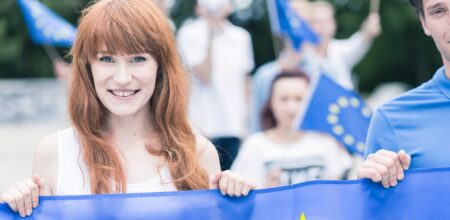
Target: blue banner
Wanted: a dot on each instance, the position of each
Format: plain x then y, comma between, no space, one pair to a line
424,194
339,112
44,26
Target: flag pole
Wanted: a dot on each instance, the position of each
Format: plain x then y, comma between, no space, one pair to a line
314,81
52,52
375,6
274,26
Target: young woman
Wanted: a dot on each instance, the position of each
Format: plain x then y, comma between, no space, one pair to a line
282,155
127,104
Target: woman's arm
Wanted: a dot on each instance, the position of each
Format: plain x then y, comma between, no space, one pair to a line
24,196
46,163
227,182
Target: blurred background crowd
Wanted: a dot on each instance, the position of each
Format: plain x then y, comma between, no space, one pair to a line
249,81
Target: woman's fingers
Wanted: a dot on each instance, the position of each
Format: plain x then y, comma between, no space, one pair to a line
246,189
223,182
18,200
34,188
239,186
25,198
232,184
9,199
214,180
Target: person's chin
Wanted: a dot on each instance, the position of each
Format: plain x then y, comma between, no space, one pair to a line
123,112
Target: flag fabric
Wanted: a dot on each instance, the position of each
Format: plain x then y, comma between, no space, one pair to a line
423,194
287,22
337,111
46,27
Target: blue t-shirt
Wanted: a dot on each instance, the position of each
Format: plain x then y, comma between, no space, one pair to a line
418,122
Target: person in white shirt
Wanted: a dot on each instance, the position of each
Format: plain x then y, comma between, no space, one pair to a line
334,57
219,56
281,154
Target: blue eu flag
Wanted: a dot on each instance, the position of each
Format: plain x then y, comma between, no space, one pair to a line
423,194
293,26
46,27
338,112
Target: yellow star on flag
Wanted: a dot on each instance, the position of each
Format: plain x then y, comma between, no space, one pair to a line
303,216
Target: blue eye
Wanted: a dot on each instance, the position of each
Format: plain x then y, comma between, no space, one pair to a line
106,59
138,59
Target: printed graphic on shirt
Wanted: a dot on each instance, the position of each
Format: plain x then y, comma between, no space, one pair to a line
297,170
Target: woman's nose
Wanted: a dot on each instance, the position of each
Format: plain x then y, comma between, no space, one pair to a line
123,75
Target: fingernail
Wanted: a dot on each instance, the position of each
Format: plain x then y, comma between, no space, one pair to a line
394,183
401,176
29,212
34,204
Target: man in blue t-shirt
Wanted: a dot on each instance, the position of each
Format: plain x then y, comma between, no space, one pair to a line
413,130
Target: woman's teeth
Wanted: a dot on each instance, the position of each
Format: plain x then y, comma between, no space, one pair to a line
124,93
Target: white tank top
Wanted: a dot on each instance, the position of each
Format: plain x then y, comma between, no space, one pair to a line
73,178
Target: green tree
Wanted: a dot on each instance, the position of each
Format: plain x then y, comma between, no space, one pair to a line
19,57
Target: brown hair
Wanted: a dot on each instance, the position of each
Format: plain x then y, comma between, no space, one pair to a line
268,120
418,5
132,26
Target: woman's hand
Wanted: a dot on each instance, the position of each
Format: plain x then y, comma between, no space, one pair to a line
230,184
385,167
24,196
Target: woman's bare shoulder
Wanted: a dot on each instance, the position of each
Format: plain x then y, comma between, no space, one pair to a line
204,146
45,163
207,154
48,147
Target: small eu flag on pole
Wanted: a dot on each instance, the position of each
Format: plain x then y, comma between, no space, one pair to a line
45,26
338,112
293,26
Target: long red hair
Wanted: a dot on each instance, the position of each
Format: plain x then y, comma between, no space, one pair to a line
132,26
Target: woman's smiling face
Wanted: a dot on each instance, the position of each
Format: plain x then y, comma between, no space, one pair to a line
124,83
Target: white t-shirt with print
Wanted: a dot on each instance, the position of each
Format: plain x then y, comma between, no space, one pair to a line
313,156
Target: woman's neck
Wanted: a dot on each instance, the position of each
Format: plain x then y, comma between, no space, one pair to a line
127,130
283,135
